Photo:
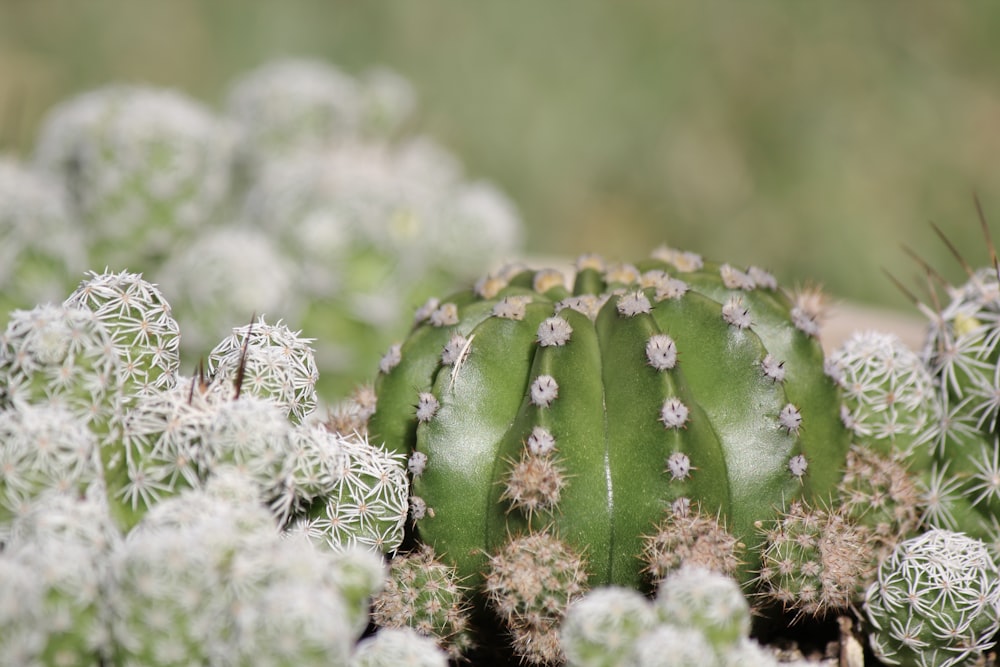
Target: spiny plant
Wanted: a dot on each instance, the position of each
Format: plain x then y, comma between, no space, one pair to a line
963,478
423,593
145,335
43,251
699,618
143,166
294,104
935,602
205,578
584,416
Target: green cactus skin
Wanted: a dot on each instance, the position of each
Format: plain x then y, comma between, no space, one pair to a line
634,366
935,602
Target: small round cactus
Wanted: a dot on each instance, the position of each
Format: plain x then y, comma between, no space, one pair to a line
890,399
43,251
693,597
44,448
423,593
144,332
936,601
531,582
53,575
601,627
394,647
699,617
815,560
367,503
270,361
64,354
143,166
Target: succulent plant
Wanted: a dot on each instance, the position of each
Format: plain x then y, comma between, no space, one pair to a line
602,626
44,449
423,593
398,646
53,573
375,228
269,361
204,578
143,166
649,391
935,602
699,617
63,354
898,404
43,252
292,105
144,333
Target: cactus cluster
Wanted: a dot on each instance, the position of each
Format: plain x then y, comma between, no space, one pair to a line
699,618
302,196
204,578
648,410
147,517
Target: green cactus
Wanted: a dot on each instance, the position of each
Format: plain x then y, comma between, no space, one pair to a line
935,602
423,593
527,407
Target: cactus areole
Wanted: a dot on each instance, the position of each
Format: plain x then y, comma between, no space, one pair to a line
590,412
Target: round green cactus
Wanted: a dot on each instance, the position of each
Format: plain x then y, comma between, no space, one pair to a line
526,405
673,396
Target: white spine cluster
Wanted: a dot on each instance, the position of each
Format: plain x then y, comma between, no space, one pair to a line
936,601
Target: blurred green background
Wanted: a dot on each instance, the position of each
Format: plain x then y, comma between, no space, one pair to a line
810,138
